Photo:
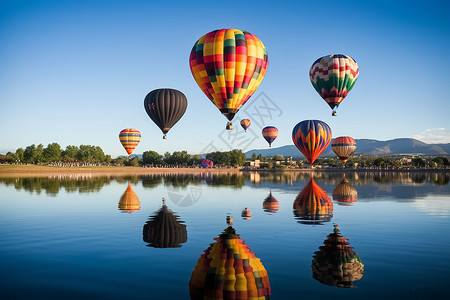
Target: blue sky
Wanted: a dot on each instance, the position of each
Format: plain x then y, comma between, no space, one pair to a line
77,72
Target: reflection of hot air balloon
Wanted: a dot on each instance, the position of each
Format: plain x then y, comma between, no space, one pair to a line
228,66
333,76
129,202
130,139
312,205
271,204
165,107
229,270
164,229
311,137
270,133
245,123
335,263
344,193
343,146
246,214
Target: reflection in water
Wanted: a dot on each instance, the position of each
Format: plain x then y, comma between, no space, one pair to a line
246,214
335,263
129,202
270,204
164,229
344,193
312,205
229,270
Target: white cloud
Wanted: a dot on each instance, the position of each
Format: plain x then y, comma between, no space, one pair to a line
434,136
434,207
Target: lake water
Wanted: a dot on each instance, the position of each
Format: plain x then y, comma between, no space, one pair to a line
369,235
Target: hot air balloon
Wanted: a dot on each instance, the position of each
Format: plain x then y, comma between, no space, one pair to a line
245,123
311,137
129,202
229,270
165,107
271,204
270,133
344,193
344,147
336,264
130,139
333,76
206,163
228,66
312,205
164,229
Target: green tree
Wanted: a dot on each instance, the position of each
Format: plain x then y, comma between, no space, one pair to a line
52,152
254,157
71,153
277,157
195,160
418,162
19,155
237,158
151,157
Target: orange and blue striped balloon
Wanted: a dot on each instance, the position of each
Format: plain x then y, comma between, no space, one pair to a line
344,147
270,133
311,137
245,123
130,139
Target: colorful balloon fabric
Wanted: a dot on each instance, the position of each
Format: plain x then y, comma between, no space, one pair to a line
206,163
271,204
344,147
164,230
229,270
228,66
270,133
130,139
344,193
165,107
312,205
245,123
336,264
333,76
311,137
129,202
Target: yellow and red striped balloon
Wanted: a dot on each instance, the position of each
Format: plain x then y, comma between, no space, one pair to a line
270,133
344,147
130,139
245,123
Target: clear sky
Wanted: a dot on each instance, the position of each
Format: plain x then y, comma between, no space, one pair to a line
77,72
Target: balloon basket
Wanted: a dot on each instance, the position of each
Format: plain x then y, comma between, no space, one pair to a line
229,126
164,137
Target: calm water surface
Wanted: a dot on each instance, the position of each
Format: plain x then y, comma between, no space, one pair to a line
365,236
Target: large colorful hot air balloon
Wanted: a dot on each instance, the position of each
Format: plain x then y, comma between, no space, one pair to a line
312,205
164,229
311,137
129,202
165,107
245,123
336,264
228,66
271,204
344,193
229,270
344,147
130,139
270,133
333,76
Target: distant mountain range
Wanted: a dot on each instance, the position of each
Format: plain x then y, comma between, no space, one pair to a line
368,146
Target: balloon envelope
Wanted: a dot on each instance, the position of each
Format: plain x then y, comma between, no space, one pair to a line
344,193
165,107
129,202
270,133
228,66
245,123
311,137
333,76
344,147
271,204
130,139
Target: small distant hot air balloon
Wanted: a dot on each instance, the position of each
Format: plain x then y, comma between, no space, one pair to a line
312,205
245,123
270,133
229,270
246,214
165,107
333,76
344,147
206,163
344,193
164,229
336,264
129,202
130,139
271,204
228,66
311,137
